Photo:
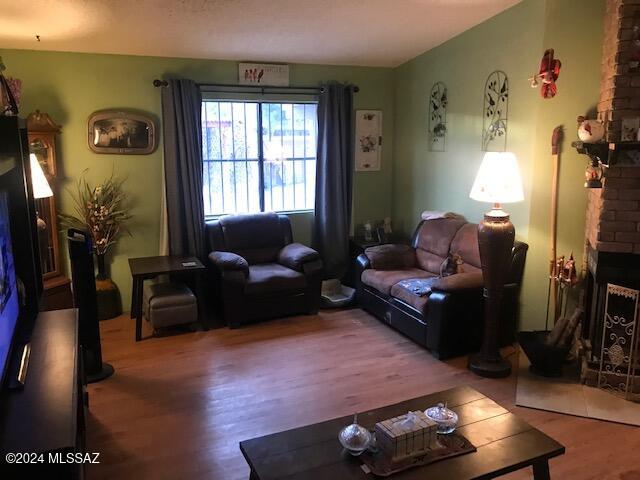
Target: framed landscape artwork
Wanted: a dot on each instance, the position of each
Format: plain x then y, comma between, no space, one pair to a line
368,140
114,131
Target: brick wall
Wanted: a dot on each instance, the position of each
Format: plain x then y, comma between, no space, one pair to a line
619,83
613,212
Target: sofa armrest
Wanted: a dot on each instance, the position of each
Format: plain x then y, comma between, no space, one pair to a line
449,313
459,281
391,256
229,262
296,255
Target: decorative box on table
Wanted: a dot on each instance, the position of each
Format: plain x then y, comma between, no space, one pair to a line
407,435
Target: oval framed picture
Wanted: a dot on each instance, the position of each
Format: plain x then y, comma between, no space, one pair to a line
121,132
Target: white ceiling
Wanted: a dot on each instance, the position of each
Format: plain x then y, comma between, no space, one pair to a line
342,32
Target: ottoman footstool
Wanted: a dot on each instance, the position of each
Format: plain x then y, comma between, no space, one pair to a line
169,304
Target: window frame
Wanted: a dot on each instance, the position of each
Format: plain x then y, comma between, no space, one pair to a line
260,100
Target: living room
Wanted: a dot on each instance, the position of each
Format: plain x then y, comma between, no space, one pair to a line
241,223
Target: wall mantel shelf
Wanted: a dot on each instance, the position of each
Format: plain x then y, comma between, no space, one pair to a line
621,154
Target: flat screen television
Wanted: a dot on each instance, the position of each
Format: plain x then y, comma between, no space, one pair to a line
9,305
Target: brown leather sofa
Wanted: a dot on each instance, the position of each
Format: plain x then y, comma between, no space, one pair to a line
258,272
448,318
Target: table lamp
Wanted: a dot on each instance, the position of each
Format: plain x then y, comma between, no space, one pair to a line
498,181
41,189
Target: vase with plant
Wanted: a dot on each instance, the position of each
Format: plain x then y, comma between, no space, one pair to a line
101,210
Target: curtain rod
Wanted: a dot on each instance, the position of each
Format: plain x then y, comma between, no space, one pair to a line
212,86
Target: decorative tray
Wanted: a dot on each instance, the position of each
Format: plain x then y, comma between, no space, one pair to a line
452,445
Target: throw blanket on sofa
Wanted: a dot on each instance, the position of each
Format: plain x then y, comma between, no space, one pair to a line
435,214
417,286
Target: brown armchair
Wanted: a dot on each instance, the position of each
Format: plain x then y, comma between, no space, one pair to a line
258,272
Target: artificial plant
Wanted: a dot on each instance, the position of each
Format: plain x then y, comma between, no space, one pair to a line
103,212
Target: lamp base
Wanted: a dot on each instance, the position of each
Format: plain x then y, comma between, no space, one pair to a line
105,372
491,367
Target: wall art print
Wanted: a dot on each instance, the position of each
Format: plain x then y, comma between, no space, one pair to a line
494,117
368,140
438,117
263,74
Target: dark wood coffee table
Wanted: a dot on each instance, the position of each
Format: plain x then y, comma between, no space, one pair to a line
505,443
146,268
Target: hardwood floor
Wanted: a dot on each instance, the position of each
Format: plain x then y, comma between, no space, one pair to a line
178,406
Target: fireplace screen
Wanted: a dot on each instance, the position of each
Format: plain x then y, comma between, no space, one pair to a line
619,354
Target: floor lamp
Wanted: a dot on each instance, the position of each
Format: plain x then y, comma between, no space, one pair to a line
498,181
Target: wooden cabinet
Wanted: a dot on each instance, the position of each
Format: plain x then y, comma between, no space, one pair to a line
48,414
42,132
57,294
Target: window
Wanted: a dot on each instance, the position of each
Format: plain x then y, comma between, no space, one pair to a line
258,156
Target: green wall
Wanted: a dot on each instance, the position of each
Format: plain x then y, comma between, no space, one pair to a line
512,41
70,86
566,25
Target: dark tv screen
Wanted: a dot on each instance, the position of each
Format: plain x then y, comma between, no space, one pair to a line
9,307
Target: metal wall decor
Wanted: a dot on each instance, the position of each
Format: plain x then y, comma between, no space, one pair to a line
494,118
438,117
619,351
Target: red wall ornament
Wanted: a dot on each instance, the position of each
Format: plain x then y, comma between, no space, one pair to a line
549,73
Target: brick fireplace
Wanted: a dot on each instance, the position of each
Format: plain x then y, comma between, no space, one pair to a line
613,211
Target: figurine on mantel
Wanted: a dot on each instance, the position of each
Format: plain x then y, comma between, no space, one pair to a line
590,131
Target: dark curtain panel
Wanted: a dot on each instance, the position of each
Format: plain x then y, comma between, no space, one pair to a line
181,111
334,177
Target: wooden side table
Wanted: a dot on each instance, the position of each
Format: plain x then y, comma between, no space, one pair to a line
147,268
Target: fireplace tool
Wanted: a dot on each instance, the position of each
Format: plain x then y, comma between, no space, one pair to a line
552,292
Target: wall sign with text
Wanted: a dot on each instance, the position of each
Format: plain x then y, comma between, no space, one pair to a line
268,74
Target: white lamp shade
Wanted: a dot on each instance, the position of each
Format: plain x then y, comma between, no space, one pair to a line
498,179
41,188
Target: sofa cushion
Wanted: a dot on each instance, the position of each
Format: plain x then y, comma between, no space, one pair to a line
416,301
391,257
383,280
418,286
429,261
433,242
256,237
459,281
435,235
465,244
273,277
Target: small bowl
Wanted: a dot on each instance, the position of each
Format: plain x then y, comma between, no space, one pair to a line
446,419
355,438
